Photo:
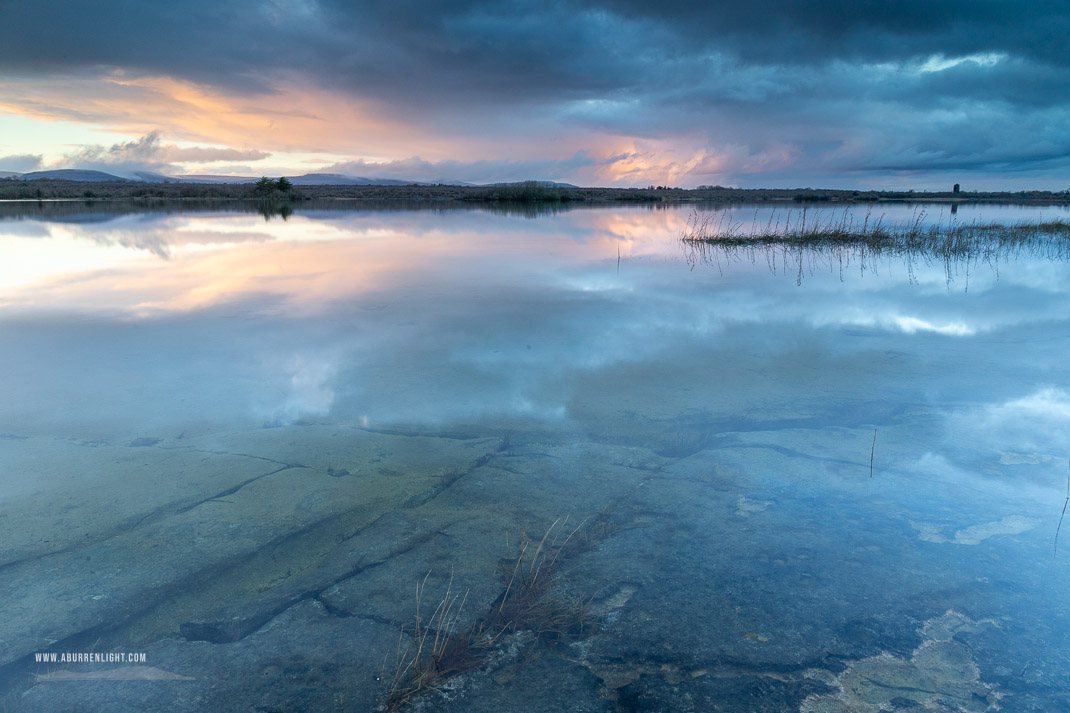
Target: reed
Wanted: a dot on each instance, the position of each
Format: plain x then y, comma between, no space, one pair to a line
1064,510
535,600
814,238
434,654
872,450
823,230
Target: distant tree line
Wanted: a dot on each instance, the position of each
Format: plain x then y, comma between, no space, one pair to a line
282,190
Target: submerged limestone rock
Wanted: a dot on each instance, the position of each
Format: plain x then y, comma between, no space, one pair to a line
975,534
940,675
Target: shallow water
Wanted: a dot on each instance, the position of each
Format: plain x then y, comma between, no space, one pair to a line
810,482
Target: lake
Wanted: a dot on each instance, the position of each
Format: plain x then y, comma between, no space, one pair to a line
527,460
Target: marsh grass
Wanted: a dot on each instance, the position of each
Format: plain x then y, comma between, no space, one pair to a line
815,228
435,650
535,599
803,240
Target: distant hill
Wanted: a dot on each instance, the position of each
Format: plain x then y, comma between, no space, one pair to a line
151,177
308,179
70,174
340,179
208,178
540,184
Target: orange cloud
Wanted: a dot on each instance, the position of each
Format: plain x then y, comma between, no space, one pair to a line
686,161
299,117
294,117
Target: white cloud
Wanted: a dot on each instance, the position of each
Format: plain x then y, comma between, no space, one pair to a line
910,325
939,63
1032,428
149,153
21,163
307,389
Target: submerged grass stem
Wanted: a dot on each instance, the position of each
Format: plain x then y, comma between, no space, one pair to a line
1064,510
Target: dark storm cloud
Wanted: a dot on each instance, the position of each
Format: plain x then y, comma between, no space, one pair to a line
603,44
851,85
792,32
187,39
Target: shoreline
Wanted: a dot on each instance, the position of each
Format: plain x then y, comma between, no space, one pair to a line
42,190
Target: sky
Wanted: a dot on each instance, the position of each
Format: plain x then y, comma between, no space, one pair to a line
912,94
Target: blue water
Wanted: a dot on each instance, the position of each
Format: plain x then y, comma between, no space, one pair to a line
810,482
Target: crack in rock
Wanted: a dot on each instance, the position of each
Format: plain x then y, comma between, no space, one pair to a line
234,622
233,489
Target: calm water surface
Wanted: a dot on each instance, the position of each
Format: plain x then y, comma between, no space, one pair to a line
242,448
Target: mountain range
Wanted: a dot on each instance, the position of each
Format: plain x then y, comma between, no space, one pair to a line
308,179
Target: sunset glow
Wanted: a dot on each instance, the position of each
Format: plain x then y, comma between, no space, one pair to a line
604,93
